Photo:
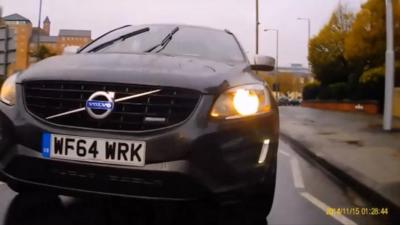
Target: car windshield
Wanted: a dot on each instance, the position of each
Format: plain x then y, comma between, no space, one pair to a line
187,41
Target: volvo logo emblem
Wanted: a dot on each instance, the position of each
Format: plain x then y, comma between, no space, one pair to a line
100,104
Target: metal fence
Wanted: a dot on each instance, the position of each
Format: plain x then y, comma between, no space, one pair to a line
7,49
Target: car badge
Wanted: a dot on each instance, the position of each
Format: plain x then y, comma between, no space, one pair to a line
100,109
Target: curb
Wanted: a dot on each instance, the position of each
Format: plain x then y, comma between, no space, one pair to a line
365,191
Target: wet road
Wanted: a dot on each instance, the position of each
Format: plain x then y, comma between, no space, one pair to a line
303,195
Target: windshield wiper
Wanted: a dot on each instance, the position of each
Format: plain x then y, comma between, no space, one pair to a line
122,38
164,42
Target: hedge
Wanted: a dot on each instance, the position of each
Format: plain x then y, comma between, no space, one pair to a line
311,91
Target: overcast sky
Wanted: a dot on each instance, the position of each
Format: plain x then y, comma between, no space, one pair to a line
235,15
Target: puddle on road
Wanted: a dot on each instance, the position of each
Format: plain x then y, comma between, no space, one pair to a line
326,133
355,142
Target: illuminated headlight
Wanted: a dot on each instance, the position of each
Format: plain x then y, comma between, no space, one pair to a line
8,91
242,101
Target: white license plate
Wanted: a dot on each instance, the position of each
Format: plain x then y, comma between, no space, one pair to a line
110,151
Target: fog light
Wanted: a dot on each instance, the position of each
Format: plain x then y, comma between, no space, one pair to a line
264,151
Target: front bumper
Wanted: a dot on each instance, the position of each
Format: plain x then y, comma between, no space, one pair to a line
196,159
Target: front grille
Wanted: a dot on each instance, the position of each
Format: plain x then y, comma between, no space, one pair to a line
162,109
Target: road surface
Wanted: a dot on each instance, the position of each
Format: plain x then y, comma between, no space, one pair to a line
303,194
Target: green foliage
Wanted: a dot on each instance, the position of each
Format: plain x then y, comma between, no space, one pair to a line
324,94
348,55
42,53
327,48
311,91
372,84
373,75
339,91
336,91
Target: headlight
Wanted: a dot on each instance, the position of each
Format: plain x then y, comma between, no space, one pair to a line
8,91
242,101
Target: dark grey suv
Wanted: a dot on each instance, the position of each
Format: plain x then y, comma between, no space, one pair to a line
157,112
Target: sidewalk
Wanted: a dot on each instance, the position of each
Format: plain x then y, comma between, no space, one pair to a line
350,145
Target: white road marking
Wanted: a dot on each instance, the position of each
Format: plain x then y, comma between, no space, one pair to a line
324,207
297,177
284,153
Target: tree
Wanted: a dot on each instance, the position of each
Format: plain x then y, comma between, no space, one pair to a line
365,45
311,91
327,53
286,82
42,53
1,15
365,48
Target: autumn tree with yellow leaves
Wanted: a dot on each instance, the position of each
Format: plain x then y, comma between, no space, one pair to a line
365,45
327,52
350,50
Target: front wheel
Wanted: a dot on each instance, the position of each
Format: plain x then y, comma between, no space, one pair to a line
22,188
259,204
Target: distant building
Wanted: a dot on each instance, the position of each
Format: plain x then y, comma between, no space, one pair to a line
23,30
73,38
49,41
295,68
46,25
289,80
28,37
56,44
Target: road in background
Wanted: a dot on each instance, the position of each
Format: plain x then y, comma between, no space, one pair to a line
303,194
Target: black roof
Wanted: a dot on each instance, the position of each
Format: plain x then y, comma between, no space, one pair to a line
44,39
75,33
16,17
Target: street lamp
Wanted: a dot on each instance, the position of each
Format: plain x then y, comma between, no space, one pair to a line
309,33
39,22
276,61
277,46
257,26
389,76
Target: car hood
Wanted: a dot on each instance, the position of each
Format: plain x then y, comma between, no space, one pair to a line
148,69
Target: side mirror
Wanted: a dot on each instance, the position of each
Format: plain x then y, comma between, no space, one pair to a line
263,63
70,50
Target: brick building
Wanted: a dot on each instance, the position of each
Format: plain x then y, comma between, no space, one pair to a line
65,38
27,38
23,31
73,38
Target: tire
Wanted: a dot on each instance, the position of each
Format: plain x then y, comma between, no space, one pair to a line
21,188
27,208
252,209
259,205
